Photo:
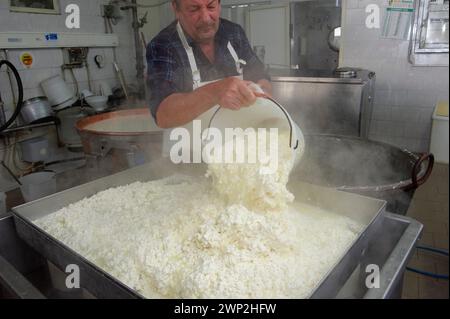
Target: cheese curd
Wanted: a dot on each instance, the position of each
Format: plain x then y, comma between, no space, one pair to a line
236,234
258,185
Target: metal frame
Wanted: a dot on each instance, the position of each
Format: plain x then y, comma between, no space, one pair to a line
391,275
436,56
55,10
420,35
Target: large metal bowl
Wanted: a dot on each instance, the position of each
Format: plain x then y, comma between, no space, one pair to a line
365,167
128,130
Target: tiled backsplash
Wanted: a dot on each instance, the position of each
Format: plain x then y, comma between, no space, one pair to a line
405,95
48,61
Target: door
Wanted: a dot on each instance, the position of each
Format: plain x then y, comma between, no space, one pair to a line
269,26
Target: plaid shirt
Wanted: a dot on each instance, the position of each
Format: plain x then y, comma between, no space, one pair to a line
169,70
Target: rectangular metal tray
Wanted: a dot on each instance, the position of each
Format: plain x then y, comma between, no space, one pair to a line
368,211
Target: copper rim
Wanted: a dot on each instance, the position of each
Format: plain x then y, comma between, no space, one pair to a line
83,123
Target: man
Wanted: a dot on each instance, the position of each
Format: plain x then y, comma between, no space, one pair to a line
198,62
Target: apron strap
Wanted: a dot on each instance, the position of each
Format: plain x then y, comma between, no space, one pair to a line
194,68
239,62
190,53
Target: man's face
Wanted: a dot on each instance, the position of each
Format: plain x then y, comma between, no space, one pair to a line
199,18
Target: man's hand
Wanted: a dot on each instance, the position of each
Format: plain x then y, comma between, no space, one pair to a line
181,108
266,86
234,94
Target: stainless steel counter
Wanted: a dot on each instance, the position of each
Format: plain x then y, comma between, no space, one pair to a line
316,76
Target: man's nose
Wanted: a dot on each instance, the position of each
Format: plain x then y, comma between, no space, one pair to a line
205,15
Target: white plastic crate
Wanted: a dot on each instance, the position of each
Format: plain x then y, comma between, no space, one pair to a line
439,135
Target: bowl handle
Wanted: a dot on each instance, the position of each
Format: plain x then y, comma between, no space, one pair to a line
416,181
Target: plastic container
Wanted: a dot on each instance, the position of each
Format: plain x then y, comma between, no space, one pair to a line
35,150
58,92
2,203
98,103
265,113
439,135
38,185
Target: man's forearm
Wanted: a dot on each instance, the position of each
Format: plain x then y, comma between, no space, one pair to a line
181,108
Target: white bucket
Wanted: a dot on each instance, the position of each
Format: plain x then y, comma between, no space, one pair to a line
38,185
265,113
57,91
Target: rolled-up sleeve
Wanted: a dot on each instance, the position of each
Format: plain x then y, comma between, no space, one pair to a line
161,74
168,69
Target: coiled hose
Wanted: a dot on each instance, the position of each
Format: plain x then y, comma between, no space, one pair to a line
19,100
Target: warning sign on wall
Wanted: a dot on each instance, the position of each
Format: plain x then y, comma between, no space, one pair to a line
401,5
398,19
27,60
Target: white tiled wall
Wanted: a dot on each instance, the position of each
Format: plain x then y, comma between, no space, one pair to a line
48,61
313,23
405,95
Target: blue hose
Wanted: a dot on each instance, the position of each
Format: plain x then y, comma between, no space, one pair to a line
429,274
434,250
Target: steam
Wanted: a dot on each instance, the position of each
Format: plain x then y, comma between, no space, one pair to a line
357,166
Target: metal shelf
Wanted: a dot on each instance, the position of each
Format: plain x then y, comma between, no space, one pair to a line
39,40
27,127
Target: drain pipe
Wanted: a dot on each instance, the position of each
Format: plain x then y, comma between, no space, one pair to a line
140,68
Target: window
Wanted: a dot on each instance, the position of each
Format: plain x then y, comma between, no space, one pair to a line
35,6
430,42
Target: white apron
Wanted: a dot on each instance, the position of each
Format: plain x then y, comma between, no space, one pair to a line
205,117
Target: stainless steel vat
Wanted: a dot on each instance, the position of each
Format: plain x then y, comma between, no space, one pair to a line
322,102
370,212
390,248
